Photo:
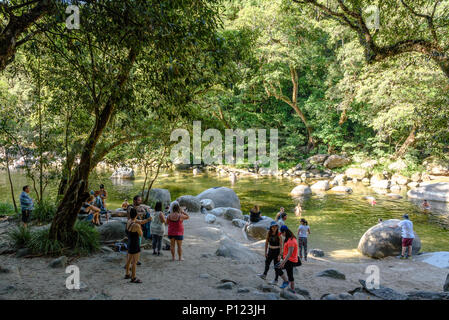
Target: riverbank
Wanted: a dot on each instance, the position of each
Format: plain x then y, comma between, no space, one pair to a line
202,272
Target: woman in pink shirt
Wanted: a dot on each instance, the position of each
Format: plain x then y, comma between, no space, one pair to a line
176,228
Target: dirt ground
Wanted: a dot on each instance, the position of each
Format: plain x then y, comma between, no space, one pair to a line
102,274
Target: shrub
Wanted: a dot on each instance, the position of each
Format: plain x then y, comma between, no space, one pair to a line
6,209
20,236
87,238
40,243
44,211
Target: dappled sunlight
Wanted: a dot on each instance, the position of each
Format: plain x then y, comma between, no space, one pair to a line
346,254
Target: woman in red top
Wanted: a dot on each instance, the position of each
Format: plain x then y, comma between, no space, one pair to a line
290,259
176,228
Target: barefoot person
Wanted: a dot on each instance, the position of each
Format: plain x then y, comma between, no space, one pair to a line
290,259
407,236
298,210
273,245
157,228
303,232
26,204
281,211
134,235
91,210
176,228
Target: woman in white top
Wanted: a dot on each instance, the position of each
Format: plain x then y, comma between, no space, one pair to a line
303,232
157,228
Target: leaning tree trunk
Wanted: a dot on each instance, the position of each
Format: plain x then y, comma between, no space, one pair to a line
407,143
10,181
62,225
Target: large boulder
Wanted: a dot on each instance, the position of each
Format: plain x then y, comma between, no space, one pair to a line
317,159
301,190
159,195
381,184
356,173
259,229
191,203
436,167
400,179
368,164
322,185
382,241
438,191
113,230
221,196
123,173
336,161
233,249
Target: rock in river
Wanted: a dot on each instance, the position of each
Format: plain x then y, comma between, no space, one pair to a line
438,191
221,196
300,191
382,241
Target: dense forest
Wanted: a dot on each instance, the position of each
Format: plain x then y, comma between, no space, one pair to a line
333,77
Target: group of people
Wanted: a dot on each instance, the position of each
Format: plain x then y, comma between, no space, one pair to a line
283,248
138,216
95,206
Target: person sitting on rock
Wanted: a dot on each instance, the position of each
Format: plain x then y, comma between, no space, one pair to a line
91,210
425,205
254,214
407,236
125,205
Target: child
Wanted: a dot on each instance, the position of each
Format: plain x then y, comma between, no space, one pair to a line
303,232
125,205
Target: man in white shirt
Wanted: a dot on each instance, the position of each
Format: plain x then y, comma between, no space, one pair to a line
407,236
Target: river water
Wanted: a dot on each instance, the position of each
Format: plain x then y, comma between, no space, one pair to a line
337,222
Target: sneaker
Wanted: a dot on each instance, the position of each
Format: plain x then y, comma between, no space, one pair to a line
154,253
284,285
401,257
139,263
274,282
291,290
262,276
159,254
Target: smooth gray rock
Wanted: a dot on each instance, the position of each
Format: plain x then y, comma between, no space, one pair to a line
332,273
191,203
384,293
219,212
322,185
317,159
232,249
303,292
222,197
113,230
356,173
239,223
316,253
329,296
159,195
106,249
210,218
446,284
243,290
226,286
438,191
427,295
60,262
381,184
208,204
288,295
382,241
232,213
266,296
300,191
259,229
336,161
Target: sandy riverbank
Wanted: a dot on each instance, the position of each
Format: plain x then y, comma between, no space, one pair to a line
198,276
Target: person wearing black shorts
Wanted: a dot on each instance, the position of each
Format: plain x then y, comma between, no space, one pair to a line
26,204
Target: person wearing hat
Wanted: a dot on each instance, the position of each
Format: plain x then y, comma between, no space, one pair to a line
290,259
273,245
407,236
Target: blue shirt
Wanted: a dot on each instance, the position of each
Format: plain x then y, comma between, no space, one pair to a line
26,203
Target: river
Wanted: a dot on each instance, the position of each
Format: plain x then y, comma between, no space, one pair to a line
337,221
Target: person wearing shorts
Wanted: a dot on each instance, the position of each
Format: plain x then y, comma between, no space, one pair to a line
407,236
26,204
176,228
290,259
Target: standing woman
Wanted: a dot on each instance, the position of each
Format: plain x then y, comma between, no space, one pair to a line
303,232
176,228
134,234
290,259
157,228
273,245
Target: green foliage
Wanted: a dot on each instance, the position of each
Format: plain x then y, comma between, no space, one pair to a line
20,236
6,209
44,211
87,238
40,243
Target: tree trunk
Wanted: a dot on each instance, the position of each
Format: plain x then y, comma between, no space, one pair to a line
62,225
10,181
407,143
